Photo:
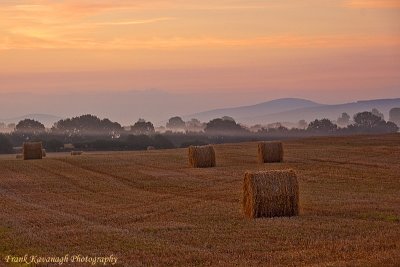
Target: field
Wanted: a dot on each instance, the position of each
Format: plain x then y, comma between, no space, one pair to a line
150,208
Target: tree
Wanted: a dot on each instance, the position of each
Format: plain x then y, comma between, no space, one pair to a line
344,120
370,123
302,124
161,142
256,128
2,125
378,113
322,126
29,126
176,123
228,118
143,127
194,125
53,145
86,124
224,127
274,128
138,141
367,120
394,116
274,125
391,127
5,145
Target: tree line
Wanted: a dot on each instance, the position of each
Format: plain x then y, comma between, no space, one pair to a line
88,132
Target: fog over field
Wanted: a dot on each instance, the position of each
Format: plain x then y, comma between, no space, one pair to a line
158,106
124,107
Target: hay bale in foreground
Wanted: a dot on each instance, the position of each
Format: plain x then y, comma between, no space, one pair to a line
76,153
19,156
44,153
202,156
270,194
269,152
32,150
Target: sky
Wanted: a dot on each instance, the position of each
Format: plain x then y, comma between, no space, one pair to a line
325,50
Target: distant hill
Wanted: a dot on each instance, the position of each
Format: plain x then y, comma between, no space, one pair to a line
246,113
46,119
331,112
293,110
287,110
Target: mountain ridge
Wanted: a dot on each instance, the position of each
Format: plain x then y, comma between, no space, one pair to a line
272,106
278,110
311,112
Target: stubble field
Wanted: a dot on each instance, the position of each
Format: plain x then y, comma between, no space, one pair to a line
150,208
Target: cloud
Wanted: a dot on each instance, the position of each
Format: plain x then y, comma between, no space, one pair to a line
44,24
30,8
372,4
134,22
91,7
37,40
84,24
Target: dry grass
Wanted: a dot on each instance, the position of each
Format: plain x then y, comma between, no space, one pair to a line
153,209
33,150
270,152
202,156
272,193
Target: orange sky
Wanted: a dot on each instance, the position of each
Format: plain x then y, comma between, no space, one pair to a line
298,47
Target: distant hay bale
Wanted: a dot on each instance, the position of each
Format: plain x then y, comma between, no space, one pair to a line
18,150
69,146
269,152
270,194
33,150
151,148
202,156
44,153
19,156
76,153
